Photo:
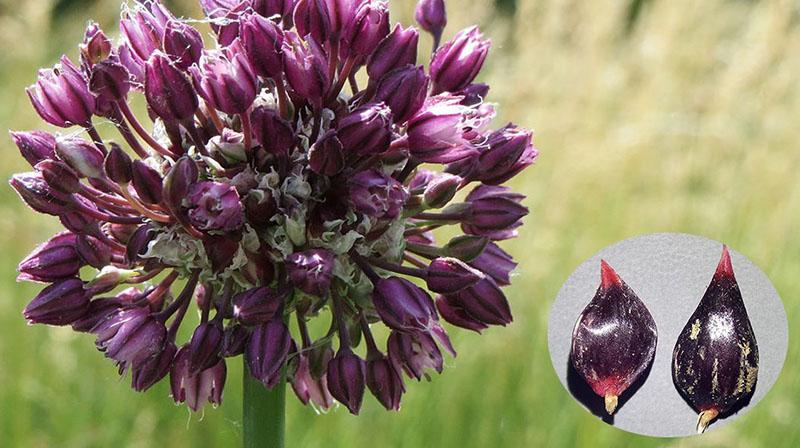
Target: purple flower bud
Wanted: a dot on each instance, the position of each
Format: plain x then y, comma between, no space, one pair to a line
326,156
385,382
35,146
396,50
369,26
403,306
133,64
441,190
97,311
311,17
183,43
414,353
509,152
204,346
465,247
431,16
404,90
55,259
484,302
178,182
376,194
82,156
59,176
118,165
258,305
96,46
496,263
308,388
130,336
474,94
225,16
274,133
456,64
454,314
143,28
366,130
61,96
77,221
226,80
92,251
306,67
109,81
436,134
234,340
496,212
147,182
267,351
311,271
61,303
168,90
346,376
35,192
138,243
196,390
269,8
146,374
215,206
450,275
340,14
262,40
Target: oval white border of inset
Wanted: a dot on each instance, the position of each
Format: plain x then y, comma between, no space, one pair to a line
669,272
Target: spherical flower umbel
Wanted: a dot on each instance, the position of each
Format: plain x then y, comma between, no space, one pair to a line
268,188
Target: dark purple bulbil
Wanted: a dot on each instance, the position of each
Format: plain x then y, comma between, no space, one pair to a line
270,180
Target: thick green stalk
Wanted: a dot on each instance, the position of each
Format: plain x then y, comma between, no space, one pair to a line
264,412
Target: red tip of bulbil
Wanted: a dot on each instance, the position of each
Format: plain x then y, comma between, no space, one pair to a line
608,276
724,268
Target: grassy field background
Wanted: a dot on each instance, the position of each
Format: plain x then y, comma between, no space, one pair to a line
679,116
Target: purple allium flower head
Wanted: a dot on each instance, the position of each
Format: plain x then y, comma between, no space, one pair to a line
215,206
267,350
226,80
61,303
431,16
311,271
396,50
35,146
456,64
385,382
168,90
61,95
376,194
196,390
346,378
55,259
265,185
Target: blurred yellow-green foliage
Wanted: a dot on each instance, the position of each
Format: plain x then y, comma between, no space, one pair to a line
659,115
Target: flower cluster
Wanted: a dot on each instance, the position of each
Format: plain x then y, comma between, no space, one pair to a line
276,184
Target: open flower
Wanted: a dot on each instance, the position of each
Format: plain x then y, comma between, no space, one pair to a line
274,189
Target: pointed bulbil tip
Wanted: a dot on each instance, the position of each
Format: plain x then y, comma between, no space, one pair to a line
706,416
724,268
608,276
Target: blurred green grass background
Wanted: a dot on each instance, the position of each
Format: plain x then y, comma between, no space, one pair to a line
651,116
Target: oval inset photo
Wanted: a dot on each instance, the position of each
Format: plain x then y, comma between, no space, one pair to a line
668,335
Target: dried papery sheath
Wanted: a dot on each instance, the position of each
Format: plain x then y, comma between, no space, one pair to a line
614,340
715,360
268,186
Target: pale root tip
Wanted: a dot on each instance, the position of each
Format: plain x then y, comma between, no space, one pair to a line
725,268
608,276
611,403
705,419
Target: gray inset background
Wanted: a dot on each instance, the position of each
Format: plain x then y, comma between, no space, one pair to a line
670,273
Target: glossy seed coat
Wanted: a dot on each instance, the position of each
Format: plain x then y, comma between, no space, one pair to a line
614,339
715,360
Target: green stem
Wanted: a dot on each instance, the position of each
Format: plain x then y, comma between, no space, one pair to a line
263,412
